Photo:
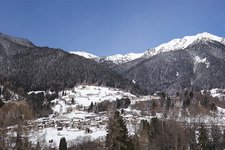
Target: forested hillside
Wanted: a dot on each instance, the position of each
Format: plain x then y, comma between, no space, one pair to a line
42,68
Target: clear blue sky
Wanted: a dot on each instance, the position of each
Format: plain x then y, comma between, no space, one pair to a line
106,27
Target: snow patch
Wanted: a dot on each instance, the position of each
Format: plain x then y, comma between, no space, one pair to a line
203,60
35,92
220,93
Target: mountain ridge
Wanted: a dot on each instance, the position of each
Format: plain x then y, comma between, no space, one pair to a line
172,45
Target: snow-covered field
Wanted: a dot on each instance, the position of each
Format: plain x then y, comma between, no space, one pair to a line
84,95
73,136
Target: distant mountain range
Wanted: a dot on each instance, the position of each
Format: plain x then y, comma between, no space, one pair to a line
175,44
116,59
43,68
195,62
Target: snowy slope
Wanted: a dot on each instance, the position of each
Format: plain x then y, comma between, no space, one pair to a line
84,54
179,44
84,95
119,59
73,136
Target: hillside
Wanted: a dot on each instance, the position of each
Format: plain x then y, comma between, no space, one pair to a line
42,68
196,66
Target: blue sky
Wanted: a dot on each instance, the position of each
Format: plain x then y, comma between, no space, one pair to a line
106,27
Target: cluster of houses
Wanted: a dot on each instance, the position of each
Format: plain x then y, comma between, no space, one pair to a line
81,123
82,120
60,122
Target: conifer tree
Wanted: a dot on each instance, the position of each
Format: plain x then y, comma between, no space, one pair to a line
203,138
90,108
216,137
38,146
144,132
117,137
63,144
72,101
191,94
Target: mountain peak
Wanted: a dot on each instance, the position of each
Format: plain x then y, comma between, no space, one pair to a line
179,44
205,36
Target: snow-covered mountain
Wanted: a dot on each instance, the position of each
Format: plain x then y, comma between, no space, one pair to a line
84,54
175,44
119,59
180,44
195,62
